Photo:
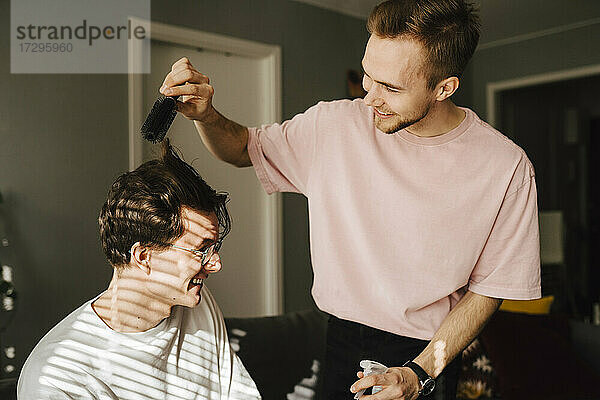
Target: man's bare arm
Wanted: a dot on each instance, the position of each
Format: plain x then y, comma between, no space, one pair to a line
466,320
225,139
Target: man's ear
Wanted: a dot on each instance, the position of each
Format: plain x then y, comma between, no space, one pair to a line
446,88
140,257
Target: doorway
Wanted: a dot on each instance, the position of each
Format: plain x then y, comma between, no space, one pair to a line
246,81
557,124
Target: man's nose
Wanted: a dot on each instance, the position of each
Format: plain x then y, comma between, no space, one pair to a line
373,97
214,264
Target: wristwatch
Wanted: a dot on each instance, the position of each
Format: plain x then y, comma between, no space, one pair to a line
427,382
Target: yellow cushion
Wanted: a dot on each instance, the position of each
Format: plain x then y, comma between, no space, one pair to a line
539,306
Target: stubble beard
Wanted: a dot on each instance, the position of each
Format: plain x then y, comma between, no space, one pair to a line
396,123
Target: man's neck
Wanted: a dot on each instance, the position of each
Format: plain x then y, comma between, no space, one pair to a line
442,118
126,306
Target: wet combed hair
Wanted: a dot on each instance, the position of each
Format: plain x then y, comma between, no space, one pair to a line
447,29
145,205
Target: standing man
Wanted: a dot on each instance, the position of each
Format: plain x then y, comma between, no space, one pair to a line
422,216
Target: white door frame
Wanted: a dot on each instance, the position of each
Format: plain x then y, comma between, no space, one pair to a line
210,41
492,88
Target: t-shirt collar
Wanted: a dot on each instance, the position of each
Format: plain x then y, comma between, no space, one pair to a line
443,138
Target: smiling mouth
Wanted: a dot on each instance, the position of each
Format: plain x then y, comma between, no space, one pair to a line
196,282
382,114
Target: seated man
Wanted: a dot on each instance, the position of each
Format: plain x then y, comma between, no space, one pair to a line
156,332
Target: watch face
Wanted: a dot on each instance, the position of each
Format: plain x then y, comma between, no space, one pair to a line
428,387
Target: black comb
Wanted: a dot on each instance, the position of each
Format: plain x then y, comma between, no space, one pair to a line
159,119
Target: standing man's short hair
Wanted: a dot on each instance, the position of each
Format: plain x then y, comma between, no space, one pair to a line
145,206
447,29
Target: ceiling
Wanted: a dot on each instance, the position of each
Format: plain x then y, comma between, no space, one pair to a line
355,8
501,19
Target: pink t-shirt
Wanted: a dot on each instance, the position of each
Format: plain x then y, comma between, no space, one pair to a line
402,226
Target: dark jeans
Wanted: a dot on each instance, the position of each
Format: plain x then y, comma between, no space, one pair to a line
349,342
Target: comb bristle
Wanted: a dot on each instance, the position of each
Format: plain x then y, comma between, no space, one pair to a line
159,119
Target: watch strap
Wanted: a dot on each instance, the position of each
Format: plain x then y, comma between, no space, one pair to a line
422,375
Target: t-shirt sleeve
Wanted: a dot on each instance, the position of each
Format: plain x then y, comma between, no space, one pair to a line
33,384
282,154
509,265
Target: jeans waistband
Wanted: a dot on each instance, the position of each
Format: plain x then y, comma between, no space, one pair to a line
369,331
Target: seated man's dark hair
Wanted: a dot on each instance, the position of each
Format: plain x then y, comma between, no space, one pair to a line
145,205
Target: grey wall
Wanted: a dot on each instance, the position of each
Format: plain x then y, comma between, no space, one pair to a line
560,47
504,19
64,140
64,137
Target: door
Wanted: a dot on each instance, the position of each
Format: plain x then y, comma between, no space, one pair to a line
244,287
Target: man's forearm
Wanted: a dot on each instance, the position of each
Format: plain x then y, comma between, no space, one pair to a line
461,326
225,139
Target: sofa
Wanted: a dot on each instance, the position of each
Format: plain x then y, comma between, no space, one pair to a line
525,356
283,354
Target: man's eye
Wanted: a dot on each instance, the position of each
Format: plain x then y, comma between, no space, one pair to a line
389,89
